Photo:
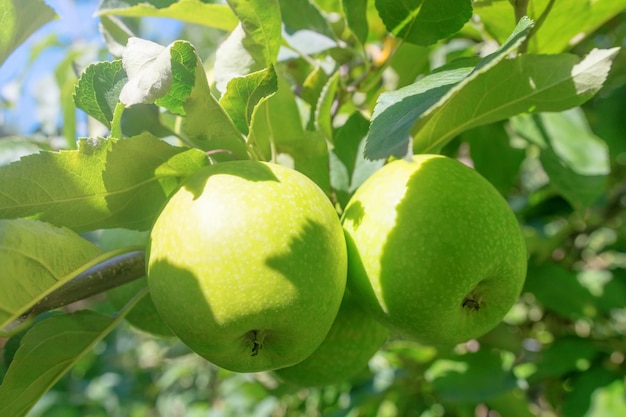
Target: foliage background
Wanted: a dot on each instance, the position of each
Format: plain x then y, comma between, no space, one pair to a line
559,352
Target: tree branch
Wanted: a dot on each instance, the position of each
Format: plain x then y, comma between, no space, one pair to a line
109,274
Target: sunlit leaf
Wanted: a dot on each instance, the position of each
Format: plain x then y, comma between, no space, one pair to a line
105,183
397,112
217,16
244,94
98,89
18,20
568,21
35,259
47,351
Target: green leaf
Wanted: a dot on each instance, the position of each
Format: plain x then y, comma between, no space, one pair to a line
192,11
397,112
565,355
424,22
35,259
472,377
493,156
545,83
348,167
278,120
103,184
245,93
568,22
207,124
323,110
356,17
18,20
98,89
47,351
261,23
559,290
173,77
597,392
300,15
576,160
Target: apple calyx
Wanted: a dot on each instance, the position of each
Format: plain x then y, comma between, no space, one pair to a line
256,338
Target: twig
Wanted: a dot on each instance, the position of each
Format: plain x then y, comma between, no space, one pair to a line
109,274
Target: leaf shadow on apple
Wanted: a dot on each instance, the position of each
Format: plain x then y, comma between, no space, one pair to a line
452,260
249,322
249,173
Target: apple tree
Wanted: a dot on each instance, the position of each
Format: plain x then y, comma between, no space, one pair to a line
529,94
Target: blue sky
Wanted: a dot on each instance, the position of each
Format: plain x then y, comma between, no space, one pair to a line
27,82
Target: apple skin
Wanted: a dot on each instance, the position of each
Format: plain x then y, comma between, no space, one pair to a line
434,250
247,265
349,345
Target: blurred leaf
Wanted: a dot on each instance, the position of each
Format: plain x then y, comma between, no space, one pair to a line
493,156
105,183
35,259
397,112
244,94
473,377
576,160
568,22
115,34
18,20
356,17
596,392
558,290
98,89
613,292
46,353
305,29
565,355
300,15
218,16
424,22
12,148
511,404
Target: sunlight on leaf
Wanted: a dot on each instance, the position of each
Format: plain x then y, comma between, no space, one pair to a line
18,20
218,16
36,258
105,183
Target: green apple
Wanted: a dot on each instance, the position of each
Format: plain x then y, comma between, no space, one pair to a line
247,265
352,340
434,251
143,316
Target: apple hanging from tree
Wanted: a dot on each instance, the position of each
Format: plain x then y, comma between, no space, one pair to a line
247,265
349,345
434,250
